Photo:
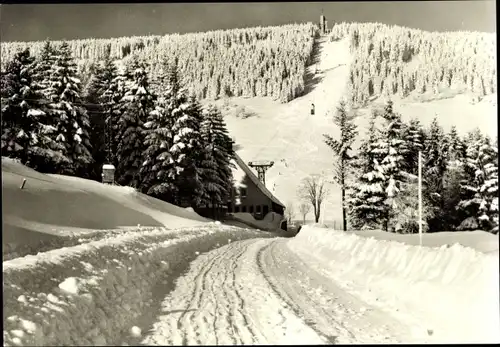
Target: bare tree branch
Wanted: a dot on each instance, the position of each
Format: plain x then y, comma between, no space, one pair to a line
304,209
314,191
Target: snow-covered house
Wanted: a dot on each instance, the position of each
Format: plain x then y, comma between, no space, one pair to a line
250,195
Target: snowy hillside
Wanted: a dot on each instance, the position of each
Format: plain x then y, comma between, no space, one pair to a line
53,206
288,135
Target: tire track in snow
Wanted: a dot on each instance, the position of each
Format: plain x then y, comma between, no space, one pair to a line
234,308
326,307
285,292
197,296
248,311
240,303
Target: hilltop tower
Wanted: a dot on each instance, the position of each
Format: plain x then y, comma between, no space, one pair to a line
323,24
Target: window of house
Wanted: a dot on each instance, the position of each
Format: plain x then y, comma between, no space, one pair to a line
243,192
243,208
236,209
265,210
251,209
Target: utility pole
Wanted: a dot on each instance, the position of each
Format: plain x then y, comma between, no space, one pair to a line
261,167
420,196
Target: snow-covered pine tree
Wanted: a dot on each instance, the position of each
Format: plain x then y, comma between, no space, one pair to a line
453,175
393,144
137,104
414,138
342,151
44,64
433,172
158,174
456,147
71,118
46,154
367,195
216,162
19,119
187,148
480,189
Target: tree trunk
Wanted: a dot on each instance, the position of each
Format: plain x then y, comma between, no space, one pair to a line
318,213
344,218
316,217
386,222
303,219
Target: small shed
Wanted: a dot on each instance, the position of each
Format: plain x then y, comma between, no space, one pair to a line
108,174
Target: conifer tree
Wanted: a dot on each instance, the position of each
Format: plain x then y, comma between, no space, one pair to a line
342,148
216,162
414,138
393,144
456,148
158,170
19,96
433,172
137,104
71,119
187,147
44,64
367,193
480,186
46,154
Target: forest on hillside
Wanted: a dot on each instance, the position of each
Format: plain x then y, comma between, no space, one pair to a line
394,60
261,61
272,61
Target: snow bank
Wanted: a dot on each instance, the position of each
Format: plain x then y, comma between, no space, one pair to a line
271,221
49,206
449,293
96,293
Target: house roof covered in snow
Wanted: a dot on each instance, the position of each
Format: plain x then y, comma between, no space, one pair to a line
251,175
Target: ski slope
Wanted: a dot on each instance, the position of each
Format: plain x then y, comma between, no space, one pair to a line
291,137
287,133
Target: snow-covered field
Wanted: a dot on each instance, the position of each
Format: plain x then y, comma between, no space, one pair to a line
52,211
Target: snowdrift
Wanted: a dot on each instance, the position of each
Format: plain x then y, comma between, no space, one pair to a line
95,293
270,222
449,293
52,205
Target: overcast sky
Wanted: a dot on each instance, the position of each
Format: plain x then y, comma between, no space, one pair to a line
71,21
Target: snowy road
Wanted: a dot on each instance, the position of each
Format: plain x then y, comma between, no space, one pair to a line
258,291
